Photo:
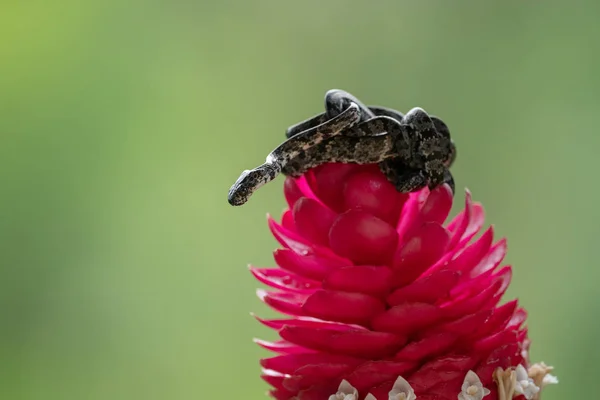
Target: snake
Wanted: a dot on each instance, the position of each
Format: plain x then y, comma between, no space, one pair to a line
413,150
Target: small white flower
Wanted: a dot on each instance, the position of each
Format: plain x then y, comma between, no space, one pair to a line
540,373
402,390
525,384
370,397
345,392
549,379
472,388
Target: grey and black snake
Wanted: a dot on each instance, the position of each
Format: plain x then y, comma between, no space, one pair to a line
412,150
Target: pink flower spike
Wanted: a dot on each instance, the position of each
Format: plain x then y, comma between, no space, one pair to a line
385,300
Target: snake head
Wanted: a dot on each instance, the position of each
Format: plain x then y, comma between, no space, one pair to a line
249,181
240,191
246,184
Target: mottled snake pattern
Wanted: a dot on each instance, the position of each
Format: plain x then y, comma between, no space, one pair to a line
413,150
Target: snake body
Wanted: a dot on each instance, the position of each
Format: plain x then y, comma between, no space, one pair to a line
407,169
369,142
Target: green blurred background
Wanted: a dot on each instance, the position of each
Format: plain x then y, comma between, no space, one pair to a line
123,124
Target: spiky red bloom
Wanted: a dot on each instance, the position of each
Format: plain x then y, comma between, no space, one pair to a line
376,287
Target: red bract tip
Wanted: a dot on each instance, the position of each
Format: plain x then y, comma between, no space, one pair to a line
382,296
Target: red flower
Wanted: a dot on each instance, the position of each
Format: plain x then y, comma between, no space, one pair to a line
377,287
